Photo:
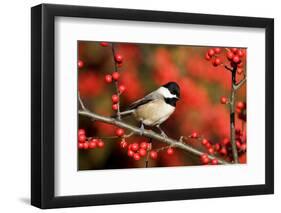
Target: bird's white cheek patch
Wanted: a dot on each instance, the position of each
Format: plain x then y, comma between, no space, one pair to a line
166,93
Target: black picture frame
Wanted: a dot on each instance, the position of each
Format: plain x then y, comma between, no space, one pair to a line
43,117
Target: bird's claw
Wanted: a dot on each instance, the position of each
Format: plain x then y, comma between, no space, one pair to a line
164,134
142,129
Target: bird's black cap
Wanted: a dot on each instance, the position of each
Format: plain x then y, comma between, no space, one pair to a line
173,87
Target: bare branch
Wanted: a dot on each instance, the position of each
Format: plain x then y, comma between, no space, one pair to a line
116,82
238,85
81,103
232,116
228,68
147,133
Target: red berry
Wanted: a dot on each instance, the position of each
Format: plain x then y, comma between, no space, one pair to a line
134,147
80,145
194,135
143,145
81,138
208,145
239,71
118,58
223,151
234,50
153,154
229,55
217,62
121,88
108,78
211,52
80,63
100,144
214,161
243,147
104,44
130,153
240,105
211,150
142,152
205,159
238,144
225,141
240,53
236,59
204,156
136,156
119,132
207,57
86,146
115,98
223,100
204,141
123,144
217,50
93,143
240,64
217,146
115,75
115,107
81,132
170,151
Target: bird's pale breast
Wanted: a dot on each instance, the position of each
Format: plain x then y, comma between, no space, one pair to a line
154,112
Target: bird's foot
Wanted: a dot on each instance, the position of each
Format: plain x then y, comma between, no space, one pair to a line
162,132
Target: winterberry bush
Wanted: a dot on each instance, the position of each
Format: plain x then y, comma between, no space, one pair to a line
207,128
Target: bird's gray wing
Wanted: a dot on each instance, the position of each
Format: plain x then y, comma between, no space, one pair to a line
150,97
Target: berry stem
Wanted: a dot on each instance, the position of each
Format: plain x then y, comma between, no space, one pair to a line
148,153
81,102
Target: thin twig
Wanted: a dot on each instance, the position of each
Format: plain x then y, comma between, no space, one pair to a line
232,116
238,85
228,68
148,153
81,103
116,82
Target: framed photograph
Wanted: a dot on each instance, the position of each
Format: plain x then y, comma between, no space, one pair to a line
139,106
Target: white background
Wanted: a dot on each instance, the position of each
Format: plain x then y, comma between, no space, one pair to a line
70,182
15,106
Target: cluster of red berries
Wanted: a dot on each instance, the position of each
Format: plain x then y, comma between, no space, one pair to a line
224,148
88,143
234,56
114,77
206,160
213,53
138,150
121,88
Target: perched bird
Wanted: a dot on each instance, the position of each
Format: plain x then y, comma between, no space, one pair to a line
156,107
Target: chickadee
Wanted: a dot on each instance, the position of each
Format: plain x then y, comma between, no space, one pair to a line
156,107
